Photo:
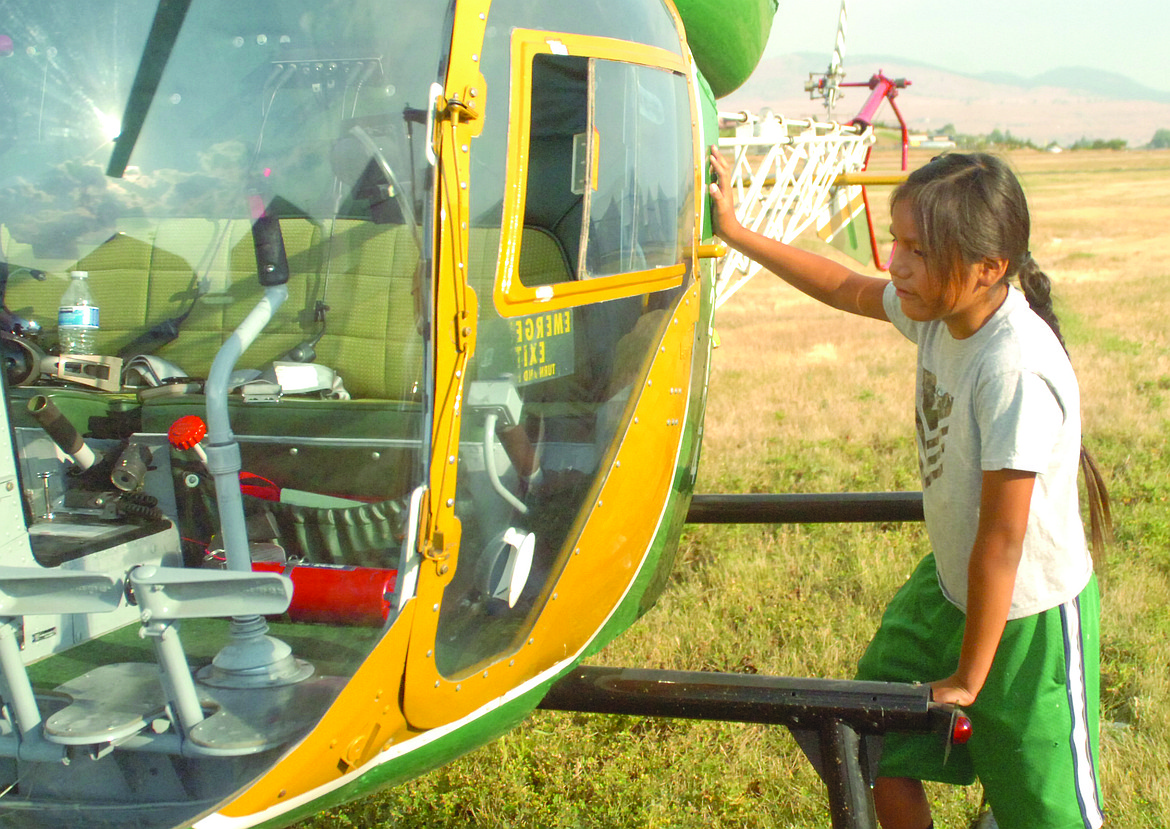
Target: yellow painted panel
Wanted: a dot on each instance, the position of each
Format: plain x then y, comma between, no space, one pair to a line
612,540
635,479
363,720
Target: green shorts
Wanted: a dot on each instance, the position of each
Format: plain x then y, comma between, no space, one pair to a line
1034,724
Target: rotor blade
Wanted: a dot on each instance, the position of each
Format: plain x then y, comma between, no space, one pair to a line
168,20
839,47
836,72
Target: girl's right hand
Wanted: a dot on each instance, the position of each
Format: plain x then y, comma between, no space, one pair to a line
722,203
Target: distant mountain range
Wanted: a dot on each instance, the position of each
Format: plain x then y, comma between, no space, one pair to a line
1061,105
1094,81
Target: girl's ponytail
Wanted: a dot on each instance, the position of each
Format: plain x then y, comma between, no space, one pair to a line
1038,289
1100,515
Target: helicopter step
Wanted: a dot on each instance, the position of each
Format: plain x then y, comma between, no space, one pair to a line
837,723
805,508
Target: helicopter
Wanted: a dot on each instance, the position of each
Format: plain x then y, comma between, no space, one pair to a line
404,322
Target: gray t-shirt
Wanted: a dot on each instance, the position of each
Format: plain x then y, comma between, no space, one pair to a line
1004,398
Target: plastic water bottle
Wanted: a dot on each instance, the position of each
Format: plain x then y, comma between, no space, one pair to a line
78,317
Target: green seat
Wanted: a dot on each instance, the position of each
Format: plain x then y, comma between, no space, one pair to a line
365,274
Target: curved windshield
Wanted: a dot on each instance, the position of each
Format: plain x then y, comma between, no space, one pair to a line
148,176
292,100
173,153
303,110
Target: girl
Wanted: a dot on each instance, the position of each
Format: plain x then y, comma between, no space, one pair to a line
1002,617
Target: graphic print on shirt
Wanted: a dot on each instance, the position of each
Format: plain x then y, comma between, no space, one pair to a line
934,409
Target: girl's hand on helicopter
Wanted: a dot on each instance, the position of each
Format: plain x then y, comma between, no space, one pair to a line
722,203
823,279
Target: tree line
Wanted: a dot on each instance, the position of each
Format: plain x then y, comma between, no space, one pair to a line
1004,140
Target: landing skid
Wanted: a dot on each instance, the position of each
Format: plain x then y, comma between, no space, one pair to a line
837,723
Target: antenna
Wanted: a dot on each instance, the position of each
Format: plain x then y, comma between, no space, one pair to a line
826,86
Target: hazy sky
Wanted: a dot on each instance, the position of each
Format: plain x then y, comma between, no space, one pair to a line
1025,37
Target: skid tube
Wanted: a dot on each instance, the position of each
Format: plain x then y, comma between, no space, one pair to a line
800,508
837,723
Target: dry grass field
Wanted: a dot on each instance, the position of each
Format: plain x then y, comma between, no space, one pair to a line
803,399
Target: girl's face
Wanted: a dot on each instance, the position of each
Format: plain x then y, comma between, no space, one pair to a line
924,297
920,293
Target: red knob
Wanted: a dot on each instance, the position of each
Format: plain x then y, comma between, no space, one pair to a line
187,431
961,731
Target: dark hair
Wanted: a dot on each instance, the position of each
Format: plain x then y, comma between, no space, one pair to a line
970,208
967,209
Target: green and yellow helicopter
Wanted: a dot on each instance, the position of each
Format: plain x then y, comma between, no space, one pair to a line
403,324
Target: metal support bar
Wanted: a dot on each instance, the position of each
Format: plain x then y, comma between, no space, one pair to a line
850,799
782,178
825,508
868,707
842,713
26,741
18,691
176,673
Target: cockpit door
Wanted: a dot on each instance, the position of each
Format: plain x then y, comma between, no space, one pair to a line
565,220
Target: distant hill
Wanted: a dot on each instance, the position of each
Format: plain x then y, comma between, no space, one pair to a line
1082,78
1062,105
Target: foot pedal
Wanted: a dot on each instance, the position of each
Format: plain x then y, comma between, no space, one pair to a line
109,704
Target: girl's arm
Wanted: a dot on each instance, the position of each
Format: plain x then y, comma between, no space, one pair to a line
991,577
821,278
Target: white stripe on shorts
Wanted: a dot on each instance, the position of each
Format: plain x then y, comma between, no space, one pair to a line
1086,782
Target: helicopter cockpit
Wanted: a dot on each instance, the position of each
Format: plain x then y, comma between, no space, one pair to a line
258,198
149,178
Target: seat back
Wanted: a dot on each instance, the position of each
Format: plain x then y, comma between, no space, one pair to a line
364,276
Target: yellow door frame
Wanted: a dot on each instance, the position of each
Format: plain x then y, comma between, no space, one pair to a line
585,594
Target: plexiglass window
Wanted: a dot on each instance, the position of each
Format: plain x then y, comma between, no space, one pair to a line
608,191
608,164
147,176
640,178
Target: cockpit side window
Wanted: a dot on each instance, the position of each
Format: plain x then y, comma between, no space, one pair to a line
560,119
641,179
608,172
